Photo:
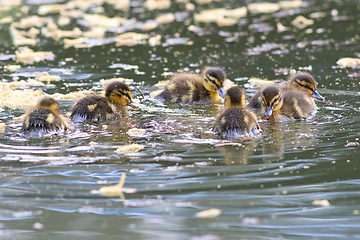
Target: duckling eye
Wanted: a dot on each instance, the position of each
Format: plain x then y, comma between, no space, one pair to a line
305,86
275,100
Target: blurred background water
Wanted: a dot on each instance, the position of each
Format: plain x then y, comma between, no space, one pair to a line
266,188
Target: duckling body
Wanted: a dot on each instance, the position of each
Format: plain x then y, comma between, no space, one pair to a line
204,88
278,105
236,120
97,108
44,119
303,83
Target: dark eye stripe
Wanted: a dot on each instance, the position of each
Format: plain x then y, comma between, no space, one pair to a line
304,86
213,81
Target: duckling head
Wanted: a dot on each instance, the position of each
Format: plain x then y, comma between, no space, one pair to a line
50,103
234,97
304,82
119,94
272,100
214,80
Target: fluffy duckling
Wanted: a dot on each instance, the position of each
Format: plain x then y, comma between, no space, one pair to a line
186,87
278,105
45,118
236,120
97,108
303,82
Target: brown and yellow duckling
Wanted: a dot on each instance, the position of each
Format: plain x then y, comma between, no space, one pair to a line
44,119
97,108
195,88
279,105
303,82
236,120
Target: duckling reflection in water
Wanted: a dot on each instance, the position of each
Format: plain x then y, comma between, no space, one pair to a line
194,88
236,120
97,108
281,106
303,82
44,119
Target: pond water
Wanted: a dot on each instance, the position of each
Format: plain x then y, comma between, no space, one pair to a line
298,180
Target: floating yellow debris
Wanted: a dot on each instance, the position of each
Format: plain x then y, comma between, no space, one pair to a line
260,81
70,96
31,21
19,38
208,16
8,19
210,213
122,5
237,13
75,13
281,28
228,84
73,42
63,21
45,76
117,190
136,131
154,41
104,21
166,18
12,68
149,26
130,148
263,7
28,56
51,8
302,22
19,99
95,32
131,39
2,127
59,34
52,26
222,21
323,203
152,5
290,4
348,62
12,3
202,2
92,143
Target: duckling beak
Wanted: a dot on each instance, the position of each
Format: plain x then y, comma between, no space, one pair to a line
317,96
130,104
221,93
268,111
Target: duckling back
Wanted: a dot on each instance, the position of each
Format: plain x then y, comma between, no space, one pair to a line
236,120
42,120
255,102
185,88
93,108
297,105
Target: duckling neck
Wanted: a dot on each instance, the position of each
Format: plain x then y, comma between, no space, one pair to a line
122,110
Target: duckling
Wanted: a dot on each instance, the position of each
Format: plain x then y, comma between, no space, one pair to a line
278,105
236,120
186,87
45,118
303,82
97,108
